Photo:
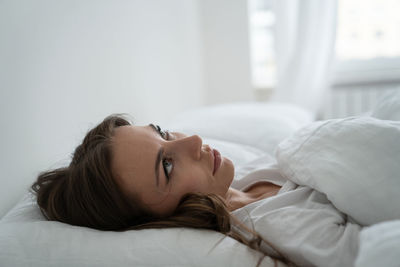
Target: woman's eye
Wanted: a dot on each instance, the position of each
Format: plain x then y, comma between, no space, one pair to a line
164,134
167,165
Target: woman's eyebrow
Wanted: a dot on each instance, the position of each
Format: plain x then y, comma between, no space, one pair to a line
158,158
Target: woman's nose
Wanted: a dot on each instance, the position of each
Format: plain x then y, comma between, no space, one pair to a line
191,145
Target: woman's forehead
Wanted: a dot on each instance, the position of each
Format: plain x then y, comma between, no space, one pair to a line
131,131
134,148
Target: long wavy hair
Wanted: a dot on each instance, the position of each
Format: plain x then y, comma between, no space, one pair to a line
86,194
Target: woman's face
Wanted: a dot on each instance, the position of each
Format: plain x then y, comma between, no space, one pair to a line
159,167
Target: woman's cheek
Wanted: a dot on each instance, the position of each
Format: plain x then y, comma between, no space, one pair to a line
196,184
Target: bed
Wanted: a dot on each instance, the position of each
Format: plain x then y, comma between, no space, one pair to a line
243,132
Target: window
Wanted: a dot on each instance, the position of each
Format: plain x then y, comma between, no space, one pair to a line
367,41
262,53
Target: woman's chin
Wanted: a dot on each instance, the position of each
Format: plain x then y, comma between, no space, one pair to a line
227,161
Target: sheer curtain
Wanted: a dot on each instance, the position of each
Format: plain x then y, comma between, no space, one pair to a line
304,40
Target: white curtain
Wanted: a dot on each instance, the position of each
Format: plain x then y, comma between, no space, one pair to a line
304,40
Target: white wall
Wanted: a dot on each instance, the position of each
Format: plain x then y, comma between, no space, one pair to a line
227,76
65,65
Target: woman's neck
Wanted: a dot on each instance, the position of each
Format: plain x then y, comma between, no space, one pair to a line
236,199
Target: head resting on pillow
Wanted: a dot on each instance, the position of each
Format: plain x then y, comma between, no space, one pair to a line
125,177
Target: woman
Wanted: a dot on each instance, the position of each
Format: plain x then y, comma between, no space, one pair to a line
134,177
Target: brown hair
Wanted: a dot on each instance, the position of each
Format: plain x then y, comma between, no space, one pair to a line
85,194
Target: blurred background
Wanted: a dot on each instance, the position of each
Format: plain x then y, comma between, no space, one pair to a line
65,65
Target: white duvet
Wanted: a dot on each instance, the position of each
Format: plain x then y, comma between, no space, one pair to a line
356,163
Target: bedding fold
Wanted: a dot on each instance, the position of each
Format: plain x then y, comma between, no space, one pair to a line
354,161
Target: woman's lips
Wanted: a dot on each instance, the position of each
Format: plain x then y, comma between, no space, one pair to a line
217,160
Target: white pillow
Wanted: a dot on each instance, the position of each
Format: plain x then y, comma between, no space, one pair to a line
241,132
258,125
388,107
27,239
